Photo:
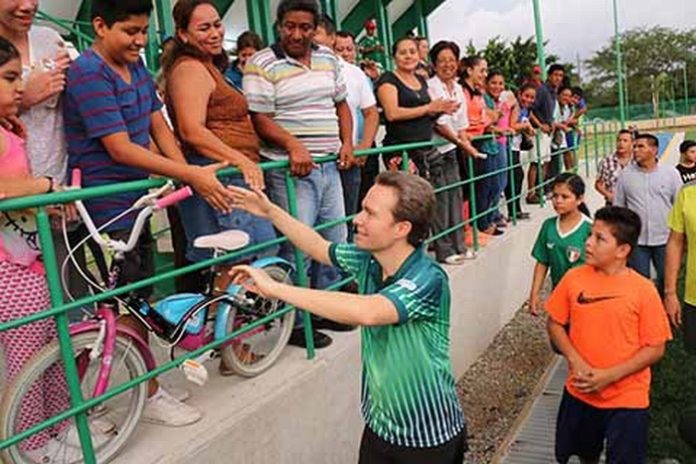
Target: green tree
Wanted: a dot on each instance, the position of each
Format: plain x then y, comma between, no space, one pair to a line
515,59
654,59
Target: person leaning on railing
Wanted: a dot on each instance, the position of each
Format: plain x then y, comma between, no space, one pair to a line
474,70
23,287
211,118
410,112
112,114
452,128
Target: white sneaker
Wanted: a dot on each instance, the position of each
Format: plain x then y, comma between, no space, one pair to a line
163,409
100,430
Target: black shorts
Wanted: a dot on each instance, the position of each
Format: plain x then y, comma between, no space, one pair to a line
689,327
581,430
139,263
374,450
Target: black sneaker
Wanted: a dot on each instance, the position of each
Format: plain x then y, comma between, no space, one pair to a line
297,338
328,324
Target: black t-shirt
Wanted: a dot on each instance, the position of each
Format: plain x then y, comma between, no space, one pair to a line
687,174
412,130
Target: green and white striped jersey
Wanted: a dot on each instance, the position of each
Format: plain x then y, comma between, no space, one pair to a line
408,390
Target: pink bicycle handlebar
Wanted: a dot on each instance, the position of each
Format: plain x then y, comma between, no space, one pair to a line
174,197
76,178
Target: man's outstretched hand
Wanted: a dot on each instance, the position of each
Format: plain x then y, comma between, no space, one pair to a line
252,201
255,280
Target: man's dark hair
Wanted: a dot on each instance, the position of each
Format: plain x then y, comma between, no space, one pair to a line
345,35
327,24
624,224
556,67
625,131
685,145
442,46
579,92
416,202
309,6
652,140
249,39
420,38
113,11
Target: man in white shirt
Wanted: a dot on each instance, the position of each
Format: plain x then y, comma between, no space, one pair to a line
363,107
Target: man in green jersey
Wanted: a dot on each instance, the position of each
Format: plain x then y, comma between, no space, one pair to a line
369,46
409,401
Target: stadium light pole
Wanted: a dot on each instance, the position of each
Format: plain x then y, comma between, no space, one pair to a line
619,67
539,31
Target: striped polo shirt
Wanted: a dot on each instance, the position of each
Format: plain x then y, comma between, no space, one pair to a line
408,391
301,99
98,102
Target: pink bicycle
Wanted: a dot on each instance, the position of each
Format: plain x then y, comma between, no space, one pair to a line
109,354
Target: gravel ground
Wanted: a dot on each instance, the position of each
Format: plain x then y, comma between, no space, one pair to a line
496,387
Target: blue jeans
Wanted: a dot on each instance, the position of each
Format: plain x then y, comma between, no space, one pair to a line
350,180
500,162
319,200
199,218
641,258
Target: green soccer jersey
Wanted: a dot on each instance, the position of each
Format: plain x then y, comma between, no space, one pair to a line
408,390
371,42
561,251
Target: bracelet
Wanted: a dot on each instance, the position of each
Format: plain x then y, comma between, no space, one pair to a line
51,188
670,292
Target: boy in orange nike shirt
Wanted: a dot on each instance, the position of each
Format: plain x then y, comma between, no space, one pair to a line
618,329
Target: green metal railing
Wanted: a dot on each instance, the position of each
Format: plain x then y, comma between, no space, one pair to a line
80,405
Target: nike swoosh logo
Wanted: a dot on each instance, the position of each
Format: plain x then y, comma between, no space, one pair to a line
584,300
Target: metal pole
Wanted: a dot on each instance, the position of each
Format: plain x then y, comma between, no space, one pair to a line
422,19
619,67
686,92
66,350
538,27
302,279
384,35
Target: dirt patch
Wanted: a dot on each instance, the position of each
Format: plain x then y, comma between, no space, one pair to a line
495,389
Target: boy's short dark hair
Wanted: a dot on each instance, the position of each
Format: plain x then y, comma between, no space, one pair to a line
556,67
345,35
652,140
579,92
685,145
626,131
624,224
249,39
309,6
113,11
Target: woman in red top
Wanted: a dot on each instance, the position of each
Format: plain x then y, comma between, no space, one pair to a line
474,72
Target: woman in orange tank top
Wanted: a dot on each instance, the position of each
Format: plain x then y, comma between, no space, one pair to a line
211,119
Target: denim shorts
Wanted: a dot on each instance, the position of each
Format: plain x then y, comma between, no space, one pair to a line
199,218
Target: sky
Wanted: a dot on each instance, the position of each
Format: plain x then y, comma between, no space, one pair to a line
572,27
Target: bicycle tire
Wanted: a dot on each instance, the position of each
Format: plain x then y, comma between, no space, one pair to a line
131,363
229,353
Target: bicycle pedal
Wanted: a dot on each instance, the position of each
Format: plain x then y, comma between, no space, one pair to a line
194,371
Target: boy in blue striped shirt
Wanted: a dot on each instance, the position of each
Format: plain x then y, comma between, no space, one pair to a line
111,113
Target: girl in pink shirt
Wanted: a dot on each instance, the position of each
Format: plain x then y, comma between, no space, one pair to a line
22,283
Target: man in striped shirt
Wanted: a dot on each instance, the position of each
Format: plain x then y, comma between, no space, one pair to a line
409,400
297,99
